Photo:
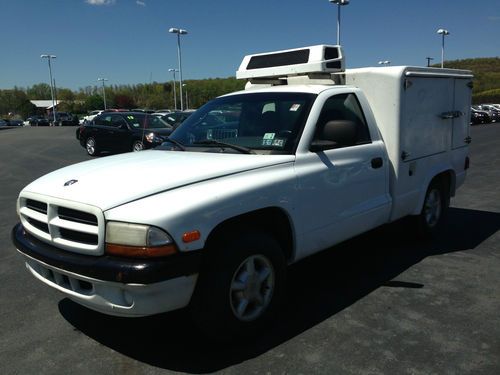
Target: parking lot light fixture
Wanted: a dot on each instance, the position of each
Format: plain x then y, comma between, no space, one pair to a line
52,88
179,32
443,33
175,83
384,62
339,3
103,90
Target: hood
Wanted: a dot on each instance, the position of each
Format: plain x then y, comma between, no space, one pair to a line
111,181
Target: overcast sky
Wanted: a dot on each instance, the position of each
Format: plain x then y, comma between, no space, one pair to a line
127,41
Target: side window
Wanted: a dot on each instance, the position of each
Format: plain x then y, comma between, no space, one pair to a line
342,121
117,121
103,120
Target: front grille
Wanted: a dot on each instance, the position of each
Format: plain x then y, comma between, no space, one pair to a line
36,206
77,216
39,225
67,225
75,236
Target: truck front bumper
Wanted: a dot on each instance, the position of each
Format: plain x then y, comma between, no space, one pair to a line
112,285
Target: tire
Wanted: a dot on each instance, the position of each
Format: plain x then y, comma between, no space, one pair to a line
137,146
91,146
240,287
434,209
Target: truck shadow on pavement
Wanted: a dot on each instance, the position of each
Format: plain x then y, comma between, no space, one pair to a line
318,288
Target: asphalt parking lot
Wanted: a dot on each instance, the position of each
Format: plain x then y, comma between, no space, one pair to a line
378,304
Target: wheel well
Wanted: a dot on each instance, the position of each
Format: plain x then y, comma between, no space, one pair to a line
272,220
446,179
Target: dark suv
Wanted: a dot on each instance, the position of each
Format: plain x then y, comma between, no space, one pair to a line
123,131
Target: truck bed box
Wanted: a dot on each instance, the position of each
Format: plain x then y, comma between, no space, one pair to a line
423,116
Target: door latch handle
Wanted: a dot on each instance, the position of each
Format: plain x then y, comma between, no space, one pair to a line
377,163
468,140
451,115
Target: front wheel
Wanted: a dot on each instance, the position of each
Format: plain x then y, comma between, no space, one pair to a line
240,287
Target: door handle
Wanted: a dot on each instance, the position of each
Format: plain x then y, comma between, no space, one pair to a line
377,163
451,115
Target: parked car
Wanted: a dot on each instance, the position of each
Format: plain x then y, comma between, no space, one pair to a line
64,119
13,122
123,131
38,121
163,111
492,111
176,118
91,115
3,123
478,117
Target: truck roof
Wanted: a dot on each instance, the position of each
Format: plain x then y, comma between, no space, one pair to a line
309,89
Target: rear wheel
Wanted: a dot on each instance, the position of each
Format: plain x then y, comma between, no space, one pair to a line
434,209
137,146
240,287
91,146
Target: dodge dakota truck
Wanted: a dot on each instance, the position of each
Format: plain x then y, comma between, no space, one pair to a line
309,155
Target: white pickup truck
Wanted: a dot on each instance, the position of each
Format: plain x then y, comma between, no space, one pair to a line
308,155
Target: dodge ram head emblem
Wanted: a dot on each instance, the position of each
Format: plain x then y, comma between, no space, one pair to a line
70,182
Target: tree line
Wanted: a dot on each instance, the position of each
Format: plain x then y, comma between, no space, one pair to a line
156,95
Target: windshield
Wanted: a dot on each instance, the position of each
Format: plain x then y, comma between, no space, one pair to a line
258,121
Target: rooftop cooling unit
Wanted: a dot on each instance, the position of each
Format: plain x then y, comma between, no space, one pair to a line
292,62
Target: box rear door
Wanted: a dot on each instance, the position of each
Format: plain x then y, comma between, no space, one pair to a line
424,131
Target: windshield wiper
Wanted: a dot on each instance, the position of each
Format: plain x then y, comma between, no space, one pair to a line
241,149
177,143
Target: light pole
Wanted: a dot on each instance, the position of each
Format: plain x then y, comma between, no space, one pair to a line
339,4
384,62
179,32
50,57
429,59
443,33
103,90
187,105
175,83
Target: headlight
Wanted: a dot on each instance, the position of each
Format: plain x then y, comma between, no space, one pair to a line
137,240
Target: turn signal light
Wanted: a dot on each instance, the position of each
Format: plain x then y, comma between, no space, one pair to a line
191,236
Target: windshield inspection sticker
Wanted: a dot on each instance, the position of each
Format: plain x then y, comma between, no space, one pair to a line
294,107
267,140
278,142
